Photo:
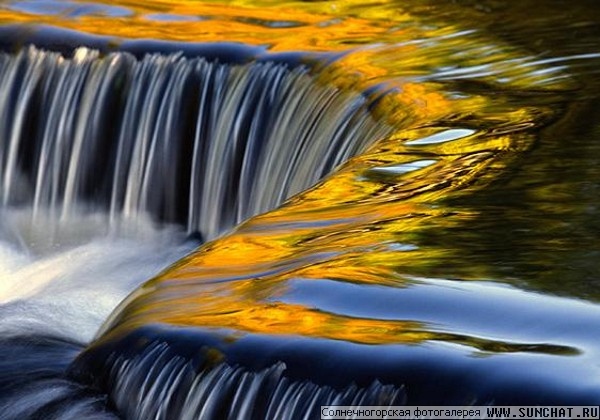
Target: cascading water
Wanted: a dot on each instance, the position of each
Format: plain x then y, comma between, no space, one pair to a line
96,150
328,203
187,141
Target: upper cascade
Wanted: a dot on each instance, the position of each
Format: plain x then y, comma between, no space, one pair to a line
203,144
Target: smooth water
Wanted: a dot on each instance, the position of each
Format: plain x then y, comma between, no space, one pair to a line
399,203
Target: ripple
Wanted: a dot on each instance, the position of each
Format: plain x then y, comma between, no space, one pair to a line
404,168
442,137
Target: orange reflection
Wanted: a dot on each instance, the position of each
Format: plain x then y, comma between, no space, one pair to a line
358,224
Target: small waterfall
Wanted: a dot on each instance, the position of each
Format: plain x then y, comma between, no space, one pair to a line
334,156
95,144
202,144
156,383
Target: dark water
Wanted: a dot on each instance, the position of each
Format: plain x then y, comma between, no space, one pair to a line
483,289
537,224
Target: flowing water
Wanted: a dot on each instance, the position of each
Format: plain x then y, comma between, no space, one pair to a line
232,210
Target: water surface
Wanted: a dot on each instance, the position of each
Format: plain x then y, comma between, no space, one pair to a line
428,237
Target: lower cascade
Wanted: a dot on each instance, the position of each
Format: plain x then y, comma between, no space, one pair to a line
166,385
323,205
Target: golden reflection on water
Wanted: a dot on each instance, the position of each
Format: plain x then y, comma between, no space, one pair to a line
359,224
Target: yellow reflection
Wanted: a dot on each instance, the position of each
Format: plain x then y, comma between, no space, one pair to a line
280,27
358,224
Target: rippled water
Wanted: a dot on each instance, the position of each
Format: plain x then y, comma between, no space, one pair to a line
451,259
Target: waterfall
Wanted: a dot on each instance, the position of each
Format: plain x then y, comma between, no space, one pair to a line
112,157
168,250
201,144
159,384
254,209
